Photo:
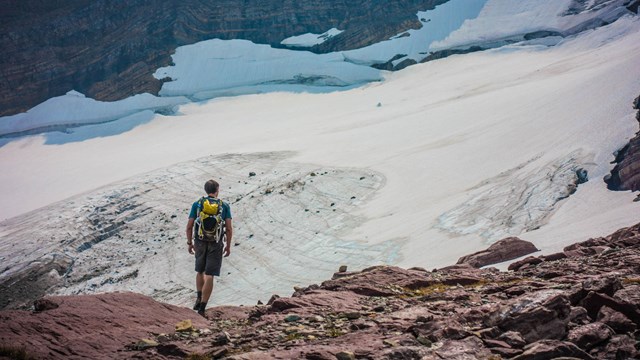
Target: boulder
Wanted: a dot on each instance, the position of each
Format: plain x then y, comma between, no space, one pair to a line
616,320
530,260
552,349
506,249
589,335
44,304
513,338
593,302
468,348
578,315
535,322
619,347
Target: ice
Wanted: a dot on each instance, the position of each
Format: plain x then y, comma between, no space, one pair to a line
309,40
74,109
216,65
504,21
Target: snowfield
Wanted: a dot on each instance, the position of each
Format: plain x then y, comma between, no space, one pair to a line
432,163
309,40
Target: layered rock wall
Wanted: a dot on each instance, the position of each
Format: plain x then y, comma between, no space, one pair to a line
626,174
109,50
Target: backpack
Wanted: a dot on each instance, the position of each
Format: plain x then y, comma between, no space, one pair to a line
209,224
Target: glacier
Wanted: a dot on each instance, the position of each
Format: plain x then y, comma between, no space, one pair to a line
429,155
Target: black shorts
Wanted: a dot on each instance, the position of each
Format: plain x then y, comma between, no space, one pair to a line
208,256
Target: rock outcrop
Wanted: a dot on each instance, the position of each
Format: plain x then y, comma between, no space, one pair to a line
583,304
90,326
626,174
503,250
109,50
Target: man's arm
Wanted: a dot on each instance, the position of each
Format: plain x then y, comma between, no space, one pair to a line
229,235
190,235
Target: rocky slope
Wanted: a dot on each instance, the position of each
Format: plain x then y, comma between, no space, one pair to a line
582,303
108,50
626,174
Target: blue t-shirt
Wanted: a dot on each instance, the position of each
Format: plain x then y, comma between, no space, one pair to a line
226,210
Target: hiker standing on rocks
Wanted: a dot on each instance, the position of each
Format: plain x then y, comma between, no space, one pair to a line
209,239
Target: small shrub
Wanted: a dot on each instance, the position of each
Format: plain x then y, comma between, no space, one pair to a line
196,356
15,353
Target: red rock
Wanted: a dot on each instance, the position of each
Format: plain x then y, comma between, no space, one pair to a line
594,301
616,320
589,335
554,257
468,348
588,243
579,315
44,304
605,285
552,349
531,260
496,343
620,347
513,338
339,301
405,352
236,313
545,321
91,326
630,294
506,249
506,352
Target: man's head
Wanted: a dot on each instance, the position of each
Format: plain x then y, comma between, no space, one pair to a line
211,187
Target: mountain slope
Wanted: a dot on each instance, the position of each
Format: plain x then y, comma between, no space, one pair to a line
451,143
109,51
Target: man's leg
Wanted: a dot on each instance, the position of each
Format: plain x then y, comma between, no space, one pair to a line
207,288
199,285
214,261
199,281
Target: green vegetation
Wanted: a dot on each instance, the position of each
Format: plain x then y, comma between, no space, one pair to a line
15,353
196,356
631,281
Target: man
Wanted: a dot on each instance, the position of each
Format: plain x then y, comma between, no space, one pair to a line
208,248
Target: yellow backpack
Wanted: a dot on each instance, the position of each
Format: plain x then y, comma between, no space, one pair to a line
209,224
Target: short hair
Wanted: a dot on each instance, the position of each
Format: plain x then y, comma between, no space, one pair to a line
211,187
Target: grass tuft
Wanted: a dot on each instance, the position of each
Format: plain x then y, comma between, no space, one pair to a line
15,353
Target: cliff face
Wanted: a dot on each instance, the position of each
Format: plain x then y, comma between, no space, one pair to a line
626,174
109,50
581,303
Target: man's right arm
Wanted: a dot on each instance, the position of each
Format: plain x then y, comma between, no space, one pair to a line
190,235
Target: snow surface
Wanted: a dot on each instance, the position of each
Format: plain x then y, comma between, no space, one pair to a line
309,39
215,67
503,21
74,109
416,44
435,144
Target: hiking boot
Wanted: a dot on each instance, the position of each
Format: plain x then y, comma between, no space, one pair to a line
201,308
197,305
